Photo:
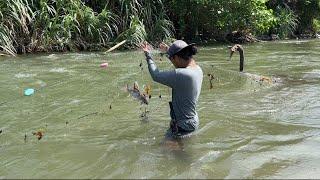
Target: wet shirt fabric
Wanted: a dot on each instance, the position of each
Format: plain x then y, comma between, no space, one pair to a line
186,87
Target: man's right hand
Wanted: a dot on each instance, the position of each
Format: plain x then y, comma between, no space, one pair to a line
146,47
163,47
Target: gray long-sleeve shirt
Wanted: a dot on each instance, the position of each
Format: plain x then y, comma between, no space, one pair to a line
186,87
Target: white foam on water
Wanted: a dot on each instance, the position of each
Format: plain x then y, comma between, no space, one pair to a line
75,101
41,83
23,75
214,48
312,74
293,42
211,156
59,70
52,56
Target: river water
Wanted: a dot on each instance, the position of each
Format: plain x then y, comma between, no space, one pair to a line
93,129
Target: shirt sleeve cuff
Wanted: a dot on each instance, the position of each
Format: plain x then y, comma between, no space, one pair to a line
148,57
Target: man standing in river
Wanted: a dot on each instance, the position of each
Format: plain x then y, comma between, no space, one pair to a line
185,81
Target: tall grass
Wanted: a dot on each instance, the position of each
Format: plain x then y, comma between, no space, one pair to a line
144,20
287,22
16,17
135,34
6,43
60,25
72,25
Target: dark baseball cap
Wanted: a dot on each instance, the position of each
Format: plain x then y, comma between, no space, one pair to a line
177,46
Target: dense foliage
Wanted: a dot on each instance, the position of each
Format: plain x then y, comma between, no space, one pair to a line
61,25
211,18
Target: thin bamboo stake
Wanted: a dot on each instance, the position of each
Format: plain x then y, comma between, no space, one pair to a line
117,45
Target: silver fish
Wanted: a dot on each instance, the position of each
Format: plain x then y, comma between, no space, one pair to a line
135,92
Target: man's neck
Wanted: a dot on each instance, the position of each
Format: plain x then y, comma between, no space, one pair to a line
185,64
190,64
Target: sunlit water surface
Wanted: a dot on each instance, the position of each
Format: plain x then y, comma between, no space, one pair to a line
93,129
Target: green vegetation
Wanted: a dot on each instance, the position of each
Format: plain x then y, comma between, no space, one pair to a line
213,19
68,25
296,17
287,22
61,25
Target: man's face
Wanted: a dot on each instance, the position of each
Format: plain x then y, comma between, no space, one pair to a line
174,60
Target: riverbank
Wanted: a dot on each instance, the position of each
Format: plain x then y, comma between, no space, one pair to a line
205,42
60,26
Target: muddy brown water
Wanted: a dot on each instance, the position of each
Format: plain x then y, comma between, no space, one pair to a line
93,129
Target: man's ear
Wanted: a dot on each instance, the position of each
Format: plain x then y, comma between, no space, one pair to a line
174,57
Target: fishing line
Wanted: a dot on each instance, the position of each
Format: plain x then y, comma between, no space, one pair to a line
161,55
158,85
147,90
170,65
94,113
